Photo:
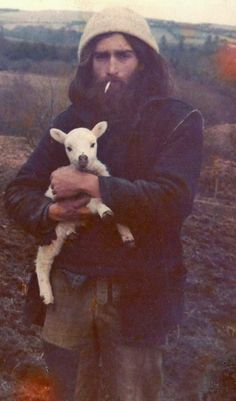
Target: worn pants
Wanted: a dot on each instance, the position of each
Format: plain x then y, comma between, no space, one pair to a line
82,333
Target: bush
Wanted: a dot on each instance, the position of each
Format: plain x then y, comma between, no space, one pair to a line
28,104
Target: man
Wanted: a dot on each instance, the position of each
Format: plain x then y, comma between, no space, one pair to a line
115,305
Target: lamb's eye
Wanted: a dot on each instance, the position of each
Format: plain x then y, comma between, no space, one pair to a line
92,145
69,148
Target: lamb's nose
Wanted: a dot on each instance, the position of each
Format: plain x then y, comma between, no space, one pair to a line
83,159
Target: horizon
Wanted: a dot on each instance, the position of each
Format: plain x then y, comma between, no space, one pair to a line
147,17
222,12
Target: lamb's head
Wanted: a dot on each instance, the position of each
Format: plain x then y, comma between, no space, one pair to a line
80,144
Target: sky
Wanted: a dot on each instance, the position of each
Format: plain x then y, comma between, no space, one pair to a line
213,11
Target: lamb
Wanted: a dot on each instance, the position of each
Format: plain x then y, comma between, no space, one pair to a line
81,149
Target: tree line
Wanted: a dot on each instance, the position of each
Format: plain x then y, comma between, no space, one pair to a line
62,36
16,50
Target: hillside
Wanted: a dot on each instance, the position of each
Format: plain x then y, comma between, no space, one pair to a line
194,34
48,18
209,328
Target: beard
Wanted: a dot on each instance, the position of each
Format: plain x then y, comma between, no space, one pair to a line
120,99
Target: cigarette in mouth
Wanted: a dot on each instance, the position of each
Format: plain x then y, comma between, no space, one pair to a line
107,86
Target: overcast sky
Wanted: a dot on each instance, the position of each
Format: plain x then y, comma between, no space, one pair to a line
215,11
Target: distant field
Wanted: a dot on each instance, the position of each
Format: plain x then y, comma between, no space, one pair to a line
48,18
207,99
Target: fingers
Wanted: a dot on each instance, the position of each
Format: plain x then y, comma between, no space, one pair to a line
53,190
69,209
69,181
84,211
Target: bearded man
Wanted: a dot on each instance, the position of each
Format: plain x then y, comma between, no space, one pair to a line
115,305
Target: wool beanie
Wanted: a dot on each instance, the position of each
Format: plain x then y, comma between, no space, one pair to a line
117,19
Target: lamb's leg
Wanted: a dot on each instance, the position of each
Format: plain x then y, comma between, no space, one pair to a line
126,235
45,258
44,261
97,207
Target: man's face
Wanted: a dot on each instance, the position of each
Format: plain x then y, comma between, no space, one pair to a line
114,60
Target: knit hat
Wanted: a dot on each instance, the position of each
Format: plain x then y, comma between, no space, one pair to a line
117,19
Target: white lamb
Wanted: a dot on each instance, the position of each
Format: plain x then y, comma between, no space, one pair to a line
81,149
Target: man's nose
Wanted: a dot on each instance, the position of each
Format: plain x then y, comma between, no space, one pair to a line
113,66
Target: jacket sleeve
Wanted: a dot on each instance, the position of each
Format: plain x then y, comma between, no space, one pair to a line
167,196
24,197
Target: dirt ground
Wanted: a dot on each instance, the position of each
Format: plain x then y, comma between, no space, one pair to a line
209,329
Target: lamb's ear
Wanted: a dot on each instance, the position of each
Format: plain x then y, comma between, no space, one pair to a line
58,135
99,129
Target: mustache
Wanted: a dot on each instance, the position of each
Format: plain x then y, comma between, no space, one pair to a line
111,81
106,87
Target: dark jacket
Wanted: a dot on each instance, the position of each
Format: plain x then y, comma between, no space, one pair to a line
154,159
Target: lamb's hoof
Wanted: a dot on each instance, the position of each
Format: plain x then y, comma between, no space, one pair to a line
108,217
129,243
72,237
47,300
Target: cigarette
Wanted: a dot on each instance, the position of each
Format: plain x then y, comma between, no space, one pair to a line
107,86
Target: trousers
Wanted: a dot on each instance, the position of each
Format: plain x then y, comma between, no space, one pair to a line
84,348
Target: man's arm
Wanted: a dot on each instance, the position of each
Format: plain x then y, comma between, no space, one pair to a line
25,201
24,197
169,193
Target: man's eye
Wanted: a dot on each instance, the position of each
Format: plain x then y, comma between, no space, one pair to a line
92,145
101,56
124,55
69,148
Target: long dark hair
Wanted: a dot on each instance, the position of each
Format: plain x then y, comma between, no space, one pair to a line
154,75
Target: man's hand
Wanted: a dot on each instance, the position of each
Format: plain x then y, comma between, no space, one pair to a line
70,210
67,182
